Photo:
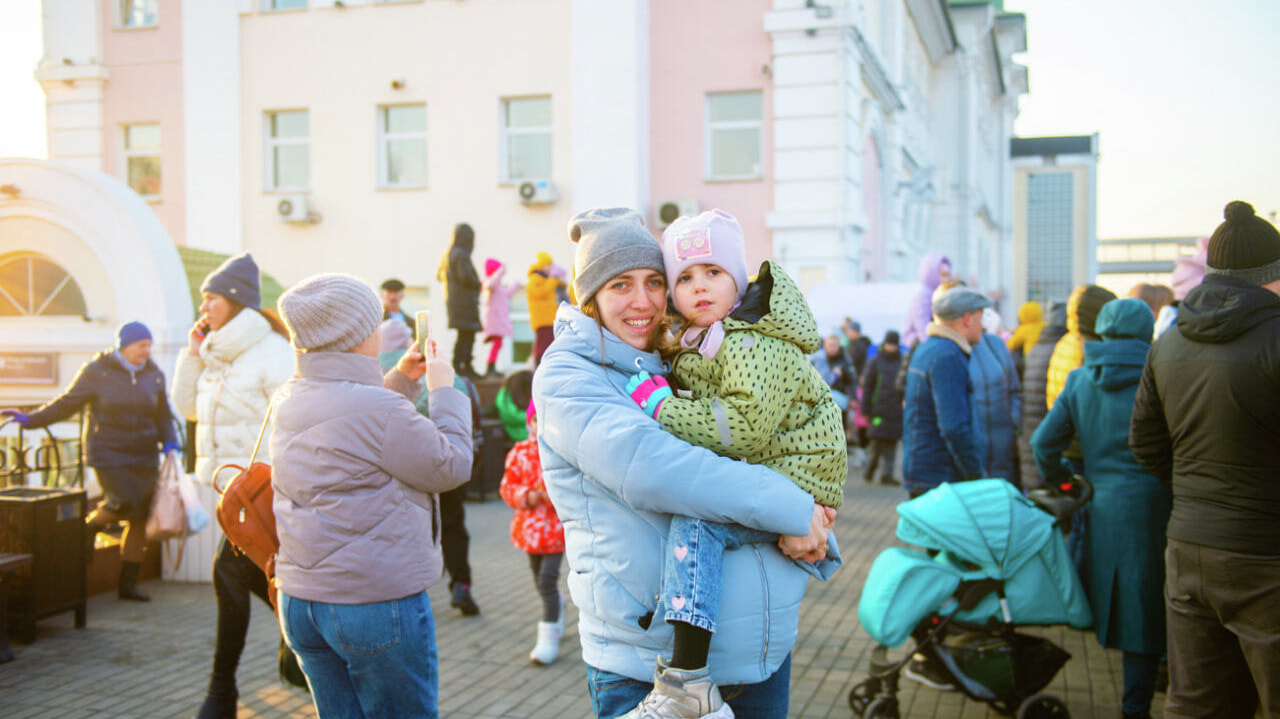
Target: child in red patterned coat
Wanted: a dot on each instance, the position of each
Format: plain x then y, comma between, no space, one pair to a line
536,530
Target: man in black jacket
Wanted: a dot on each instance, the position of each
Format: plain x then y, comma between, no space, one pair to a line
1206,418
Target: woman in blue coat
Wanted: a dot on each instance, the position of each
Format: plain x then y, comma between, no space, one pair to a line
129,422
997,406
1130,507
615,476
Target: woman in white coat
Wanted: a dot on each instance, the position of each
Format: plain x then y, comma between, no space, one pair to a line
237,357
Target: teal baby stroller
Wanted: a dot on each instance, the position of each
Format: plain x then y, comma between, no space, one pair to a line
999,562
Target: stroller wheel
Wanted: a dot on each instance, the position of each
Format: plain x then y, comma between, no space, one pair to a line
1043,706
862,694
882,708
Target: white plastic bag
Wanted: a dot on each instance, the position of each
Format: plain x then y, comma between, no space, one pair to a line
197,516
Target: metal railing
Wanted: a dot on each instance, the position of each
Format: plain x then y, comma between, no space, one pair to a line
38,458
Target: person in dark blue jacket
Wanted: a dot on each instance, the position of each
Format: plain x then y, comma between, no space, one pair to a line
939,441
129,424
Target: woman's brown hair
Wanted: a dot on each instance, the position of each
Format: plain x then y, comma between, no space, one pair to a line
270,316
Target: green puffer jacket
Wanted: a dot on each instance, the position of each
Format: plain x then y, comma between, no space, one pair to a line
759,399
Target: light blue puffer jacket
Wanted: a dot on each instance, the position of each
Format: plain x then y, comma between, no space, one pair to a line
615,476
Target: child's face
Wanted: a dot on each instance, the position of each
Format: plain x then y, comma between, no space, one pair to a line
705,294
533,427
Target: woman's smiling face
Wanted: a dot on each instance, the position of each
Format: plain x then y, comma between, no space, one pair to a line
631,305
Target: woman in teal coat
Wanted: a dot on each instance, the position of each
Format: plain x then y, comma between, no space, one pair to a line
1130,507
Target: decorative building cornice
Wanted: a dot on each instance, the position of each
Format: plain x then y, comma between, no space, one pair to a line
874,75
933,20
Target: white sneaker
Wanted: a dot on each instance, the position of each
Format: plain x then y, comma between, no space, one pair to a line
548,646
681,694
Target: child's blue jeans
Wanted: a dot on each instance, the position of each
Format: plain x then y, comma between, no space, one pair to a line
692,569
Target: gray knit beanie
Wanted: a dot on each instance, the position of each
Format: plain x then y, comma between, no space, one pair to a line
611,240
330,313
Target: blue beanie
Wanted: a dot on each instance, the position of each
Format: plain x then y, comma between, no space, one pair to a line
131,332
237,280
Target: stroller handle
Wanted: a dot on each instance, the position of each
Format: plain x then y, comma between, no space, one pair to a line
1086,496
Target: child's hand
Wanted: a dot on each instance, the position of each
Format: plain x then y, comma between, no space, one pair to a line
532,498
648,391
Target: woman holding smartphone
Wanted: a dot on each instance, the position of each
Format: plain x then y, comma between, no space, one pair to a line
238,356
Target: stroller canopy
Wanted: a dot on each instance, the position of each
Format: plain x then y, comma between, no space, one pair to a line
983,529
985,522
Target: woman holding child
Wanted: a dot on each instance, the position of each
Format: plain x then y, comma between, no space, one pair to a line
615,478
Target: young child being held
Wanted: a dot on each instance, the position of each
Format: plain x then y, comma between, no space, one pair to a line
536,530
745,389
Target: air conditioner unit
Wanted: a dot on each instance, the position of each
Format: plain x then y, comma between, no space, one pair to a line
294,208
671,210
537,192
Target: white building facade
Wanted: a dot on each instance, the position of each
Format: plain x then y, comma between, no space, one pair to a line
850,137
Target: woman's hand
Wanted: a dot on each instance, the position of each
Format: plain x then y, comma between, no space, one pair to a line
196,336
412,364
812,547
439,372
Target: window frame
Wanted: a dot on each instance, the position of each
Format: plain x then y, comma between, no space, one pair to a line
31,310
384,139
127,153
121,15
505,132
270,143
710,128
269,6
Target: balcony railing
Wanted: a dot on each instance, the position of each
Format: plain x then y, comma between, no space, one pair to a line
38,458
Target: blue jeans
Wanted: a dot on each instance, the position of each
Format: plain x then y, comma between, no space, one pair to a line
613,695
694,564
366,660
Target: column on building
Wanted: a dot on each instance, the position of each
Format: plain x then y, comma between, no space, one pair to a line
73,78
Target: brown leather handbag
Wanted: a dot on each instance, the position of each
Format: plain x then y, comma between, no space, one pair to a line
245,513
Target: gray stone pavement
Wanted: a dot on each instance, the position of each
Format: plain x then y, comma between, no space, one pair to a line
152,660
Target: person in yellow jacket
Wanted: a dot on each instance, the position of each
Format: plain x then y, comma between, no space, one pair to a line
1083,306
1030,323
546,281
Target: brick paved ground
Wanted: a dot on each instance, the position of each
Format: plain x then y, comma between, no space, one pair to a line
152,660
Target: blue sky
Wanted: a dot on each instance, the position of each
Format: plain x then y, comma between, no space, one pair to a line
1184,94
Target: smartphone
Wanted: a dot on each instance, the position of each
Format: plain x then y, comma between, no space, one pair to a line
422,322
204,327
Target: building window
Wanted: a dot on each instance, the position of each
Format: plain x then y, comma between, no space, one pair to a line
142,159
402,146
31,286
137,13
734,136
526,139
284,4
288,150
1050,235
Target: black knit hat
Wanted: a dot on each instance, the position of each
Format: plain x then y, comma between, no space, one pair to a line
890,338
1085,303
1245,247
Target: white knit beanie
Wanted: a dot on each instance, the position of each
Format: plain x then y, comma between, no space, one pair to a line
330,313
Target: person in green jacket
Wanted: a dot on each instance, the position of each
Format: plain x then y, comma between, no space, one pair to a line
1130,508
746,390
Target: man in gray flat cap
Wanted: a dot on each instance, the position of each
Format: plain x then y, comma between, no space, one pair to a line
938,440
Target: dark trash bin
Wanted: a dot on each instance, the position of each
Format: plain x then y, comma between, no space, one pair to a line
48,524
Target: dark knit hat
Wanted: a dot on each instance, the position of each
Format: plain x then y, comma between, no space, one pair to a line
330,313
1245,247
393,285
237,280
1083,306
131,332
611,240
890,338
